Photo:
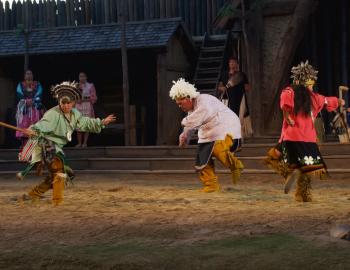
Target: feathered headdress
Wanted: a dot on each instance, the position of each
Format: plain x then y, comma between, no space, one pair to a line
69,90
303,72
182,89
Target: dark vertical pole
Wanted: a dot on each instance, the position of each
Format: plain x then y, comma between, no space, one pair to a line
162,9
125,68
204,17
146,9
7,16
192,16
344,44
26,45
187,14
26,34
2,16
198,19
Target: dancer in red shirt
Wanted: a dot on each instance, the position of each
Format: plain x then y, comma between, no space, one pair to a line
297,156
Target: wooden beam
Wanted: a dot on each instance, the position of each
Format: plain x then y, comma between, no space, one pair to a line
123,46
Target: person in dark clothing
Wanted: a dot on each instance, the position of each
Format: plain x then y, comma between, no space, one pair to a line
233,84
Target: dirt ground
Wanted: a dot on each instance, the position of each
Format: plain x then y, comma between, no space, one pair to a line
164,222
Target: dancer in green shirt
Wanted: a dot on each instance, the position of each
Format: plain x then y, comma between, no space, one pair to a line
52,132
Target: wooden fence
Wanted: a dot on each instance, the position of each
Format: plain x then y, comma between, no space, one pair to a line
198,15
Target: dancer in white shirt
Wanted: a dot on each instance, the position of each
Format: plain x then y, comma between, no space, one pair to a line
219,132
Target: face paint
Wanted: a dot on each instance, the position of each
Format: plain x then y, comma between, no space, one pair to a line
310,83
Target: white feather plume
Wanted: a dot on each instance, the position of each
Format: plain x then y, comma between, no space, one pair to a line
183,89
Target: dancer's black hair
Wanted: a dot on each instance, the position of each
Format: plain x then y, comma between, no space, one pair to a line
302,100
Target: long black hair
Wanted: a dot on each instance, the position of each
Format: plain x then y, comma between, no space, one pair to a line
302,100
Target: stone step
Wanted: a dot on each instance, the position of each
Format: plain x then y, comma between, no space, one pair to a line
153,164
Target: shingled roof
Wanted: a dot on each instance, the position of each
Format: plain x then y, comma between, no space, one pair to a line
145,34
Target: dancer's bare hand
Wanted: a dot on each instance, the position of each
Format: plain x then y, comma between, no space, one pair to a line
341,102
109,119
30,133
290,121
182,140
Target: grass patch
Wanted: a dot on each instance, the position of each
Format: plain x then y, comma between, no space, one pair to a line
258,252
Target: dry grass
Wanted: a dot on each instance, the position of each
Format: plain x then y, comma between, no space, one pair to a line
163,222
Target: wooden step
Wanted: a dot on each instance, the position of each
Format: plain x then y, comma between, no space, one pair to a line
209,59
205,81
207,91
213,49
208,70
249,149
174,163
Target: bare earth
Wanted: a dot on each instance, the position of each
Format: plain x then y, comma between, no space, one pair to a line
164,222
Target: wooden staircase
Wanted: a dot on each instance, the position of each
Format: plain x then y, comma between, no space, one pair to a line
210,63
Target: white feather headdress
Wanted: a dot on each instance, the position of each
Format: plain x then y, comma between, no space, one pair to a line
182,89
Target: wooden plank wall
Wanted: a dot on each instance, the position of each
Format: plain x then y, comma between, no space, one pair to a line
198,15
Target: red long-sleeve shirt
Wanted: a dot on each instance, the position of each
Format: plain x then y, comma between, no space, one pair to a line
303,129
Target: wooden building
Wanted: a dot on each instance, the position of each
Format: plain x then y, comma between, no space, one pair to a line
269,36
159,52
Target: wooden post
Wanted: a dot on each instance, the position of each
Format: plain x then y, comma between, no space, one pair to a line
26,46
93,11
7,18
162,13
213,12
344,43
54,13
113,14
143,125
72,12
198,19
106,11
2,16
19,15
35,15
204,17
167,8
40,14
45,24
174,8
152,9
13,16
60,14
140,13
123,47
187,14
192,16
82,12
87,12
67,6
209,18
133,138
156,9
181,9
135,11
146,9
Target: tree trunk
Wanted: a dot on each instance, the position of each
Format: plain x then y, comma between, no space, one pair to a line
123,48
285,54
252,35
